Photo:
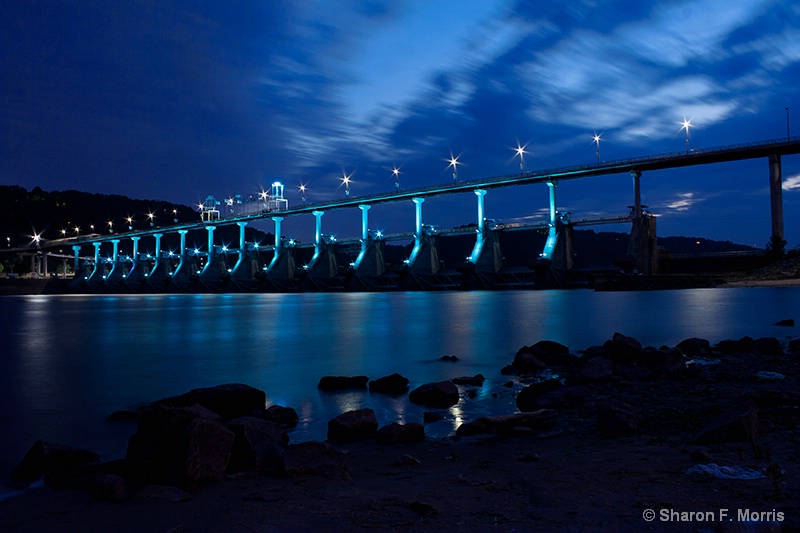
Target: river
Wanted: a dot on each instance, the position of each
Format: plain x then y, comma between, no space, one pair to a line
68,361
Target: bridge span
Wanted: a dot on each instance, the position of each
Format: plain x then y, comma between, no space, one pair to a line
273,267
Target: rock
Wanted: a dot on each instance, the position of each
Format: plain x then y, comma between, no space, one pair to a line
506,424
353,425
439,394
775,398
526,362
407,460
616,418
789,322
768,346
392,384
622,349
396,433
110,487
258,444
596,368
547,394
164,492
737,425
794,346
743,345
449,358
208,450
337,383
475,381
553,353
45,457
228,401
429,417
669,361
509,370
284,416
694,346
314,458
176,445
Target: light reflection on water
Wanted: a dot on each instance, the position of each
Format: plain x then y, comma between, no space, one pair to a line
69,361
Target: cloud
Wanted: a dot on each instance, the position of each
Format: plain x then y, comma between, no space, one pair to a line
792,183
682,202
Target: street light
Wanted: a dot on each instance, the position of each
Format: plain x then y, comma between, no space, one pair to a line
396,172
175,216
685,125
454,162
151,216
130,223
110,227
303,192
597,138
520,152
346,182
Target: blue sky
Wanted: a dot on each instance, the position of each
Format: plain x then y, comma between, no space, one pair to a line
178,100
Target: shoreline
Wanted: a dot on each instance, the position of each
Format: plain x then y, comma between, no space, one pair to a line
568,477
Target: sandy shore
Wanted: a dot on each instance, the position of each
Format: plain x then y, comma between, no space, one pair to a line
563,478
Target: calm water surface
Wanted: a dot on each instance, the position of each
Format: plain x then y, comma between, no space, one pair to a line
67,362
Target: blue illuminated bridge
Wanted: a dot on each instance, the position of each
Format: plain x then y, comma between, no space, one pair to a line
276,267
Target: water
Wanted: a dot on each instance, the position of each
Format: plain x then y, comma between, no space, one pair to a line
67,362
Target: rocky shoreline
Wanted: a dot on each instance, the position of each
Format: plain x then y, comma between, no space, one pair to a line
600,439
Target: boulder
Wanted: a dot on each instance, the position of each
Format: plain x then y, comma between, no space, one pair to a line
45,457
667,361
554,353
616,418
737,425
439,394
474,381
547,394
110,487
258,444
596,368
788,322
527,362
176,445
337,383
622,349
392,384
397,433
449,358
694,346
314,458
768,346
743,345
794,346
353,425
283,416
228,401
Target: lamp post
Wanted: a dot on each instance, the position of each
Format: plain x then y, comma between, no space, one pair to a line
597,138
130,223
346,182
110,227
396,172
520,152
685,125
151,216
303,192
454,162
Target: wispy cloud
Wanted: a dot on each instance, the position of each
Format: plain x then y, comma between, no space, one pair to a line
792,183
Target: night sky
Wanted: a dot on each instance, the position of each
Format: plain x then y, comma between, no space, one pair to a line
175,100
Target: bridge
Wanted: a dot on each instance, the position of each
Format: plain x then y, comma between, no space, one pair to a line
275,267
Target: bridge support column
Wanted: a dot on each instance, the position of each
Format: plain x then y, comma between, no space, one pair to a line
183,272
136,273
247,265
323,264
158,274
282,265
776,197
552,231
215,267
424,257
44,263
370,261
116,273
76,265
642,251
364,234
96,276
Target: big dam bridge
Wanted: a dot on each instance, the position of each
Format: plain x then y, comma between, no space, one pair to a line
254,266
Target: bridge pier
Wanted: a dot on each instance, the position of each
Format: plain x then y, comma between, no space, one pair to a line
245,270
117,273
776,197
216,266
282,266
323,263
486,255
184,272
136,274
97,275
159,274
370,261
424,257
642,256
